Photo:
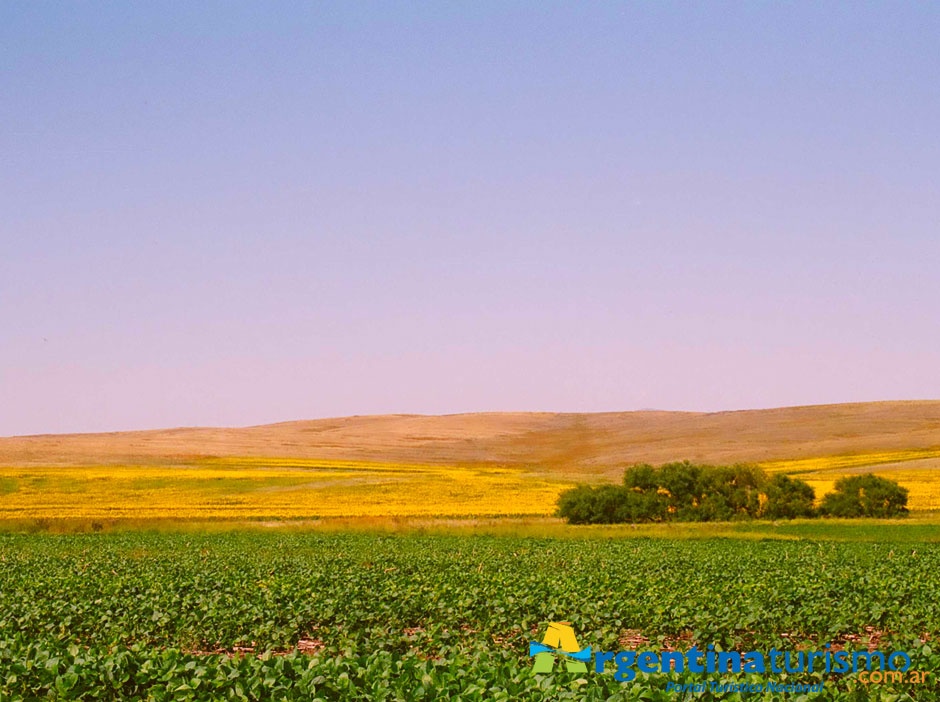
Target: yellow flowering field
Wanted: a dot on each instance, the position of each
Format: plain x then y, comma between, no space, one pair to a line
923,485
272,488
911,468
808,465
296,488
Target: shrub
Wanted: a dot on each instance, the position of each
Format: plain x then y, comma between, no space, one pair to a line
607,504
685,484
679,491
788,498
865,495
641,476
688,492
577,505
608,500
732,492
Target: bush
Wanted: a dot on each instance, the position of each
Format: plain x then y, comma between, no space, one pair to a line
695,493
732,492
865,495
606,504
689,492
641,476
608,500
788,498
676,491
577,505
684,484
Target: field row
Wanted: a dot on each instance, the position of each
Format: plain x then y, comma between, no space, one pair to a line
250,615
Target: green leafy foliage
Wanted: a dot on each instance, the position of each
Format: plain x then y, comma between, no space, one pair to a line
687,492
788,498
865,495
159,616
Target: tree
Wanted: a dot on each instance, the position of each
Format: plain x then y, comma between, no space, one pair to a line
608,504
732,492
685,486
788,498
865,495
609,501
645,501
577,504
639,506
684,491
642,477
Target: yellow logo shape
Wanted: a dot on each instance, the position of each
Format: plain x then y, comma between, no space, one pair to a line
560,636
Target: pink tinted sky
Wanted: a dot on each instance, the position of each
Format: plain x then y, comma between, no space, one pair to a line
223,215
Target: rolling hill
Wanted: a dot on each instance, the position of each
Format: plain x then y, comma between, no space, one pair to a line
586,442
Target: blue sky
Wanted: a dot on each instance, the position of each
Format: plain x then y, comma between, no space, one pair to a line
232,213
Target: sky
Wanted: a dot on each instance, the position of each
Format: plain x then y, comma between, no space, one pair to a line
238,213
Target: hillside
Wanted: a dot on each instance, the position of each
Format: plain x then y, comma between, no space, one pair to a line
593,442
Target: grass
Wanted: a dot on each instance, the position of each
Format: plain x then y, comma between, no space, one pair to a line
922,527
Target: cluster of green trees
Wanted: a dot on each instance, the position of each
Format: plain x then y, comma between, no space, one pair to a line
687,492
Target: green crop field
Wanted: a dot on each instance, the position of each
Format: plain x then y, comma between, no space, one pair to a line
301,615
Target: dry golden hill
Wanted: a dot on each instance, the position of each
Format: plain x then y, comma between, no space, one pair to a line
593,443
